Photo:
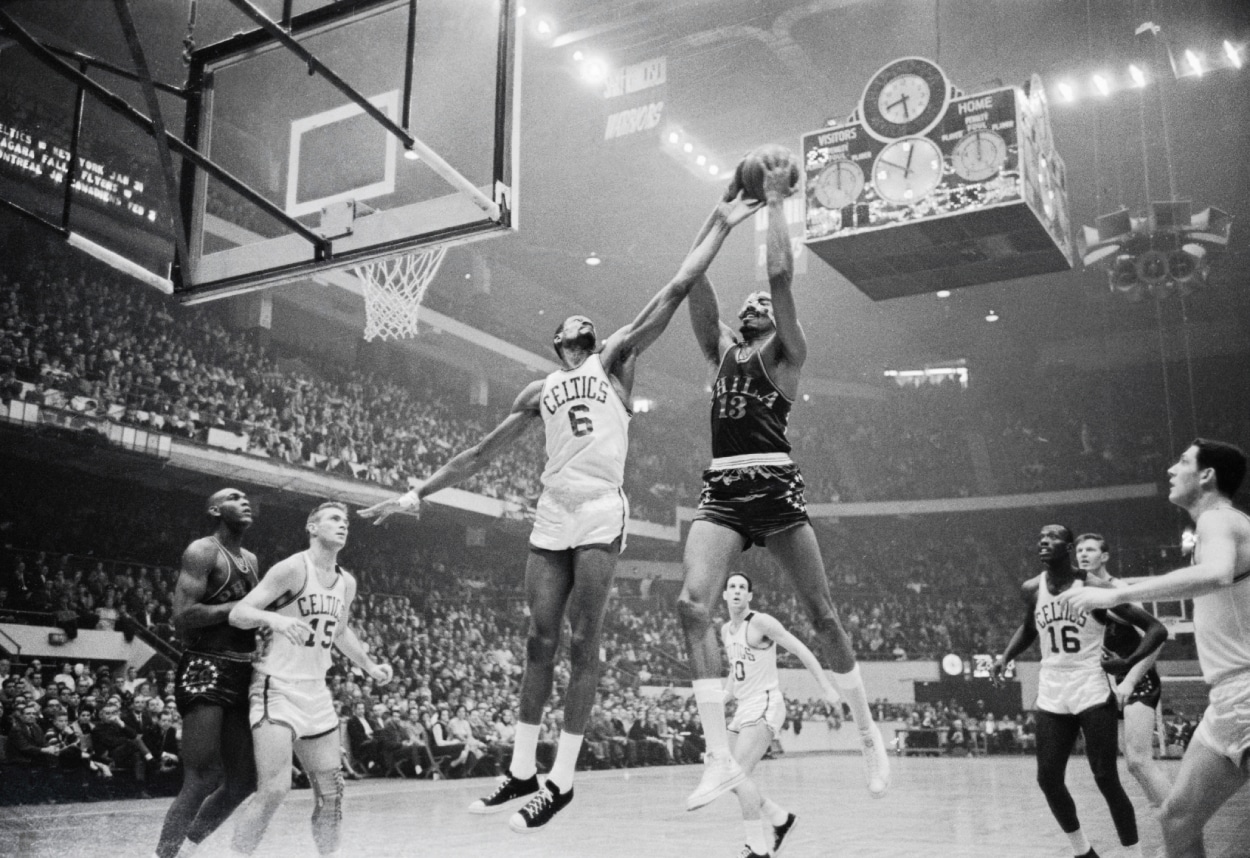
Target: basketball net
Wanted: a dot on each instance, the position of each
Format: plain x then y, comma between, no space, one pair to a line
393,289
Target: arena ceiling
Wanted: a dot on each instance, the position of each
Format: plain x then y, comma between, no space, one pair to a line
744,72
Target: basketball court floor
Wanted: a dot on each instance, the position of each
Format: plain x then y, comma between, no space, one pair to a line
946,808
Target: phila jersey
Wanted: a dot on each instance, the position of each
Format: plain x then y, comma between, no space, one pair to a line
587,427
754,669
322,608
238,581
749,412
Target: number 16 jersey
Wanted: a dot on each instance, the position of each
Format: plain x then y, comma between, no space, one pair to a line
587,428
321,608
1071,679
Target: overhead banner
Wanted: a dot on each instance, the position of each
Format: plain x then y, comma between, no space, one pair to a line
634,101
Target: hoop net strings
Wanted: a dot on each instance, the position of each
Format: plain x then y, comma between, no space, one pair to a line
393,290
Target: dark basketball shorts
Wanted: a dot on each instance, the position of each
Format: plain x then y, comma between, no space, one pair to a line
1147,691
212,679
756,501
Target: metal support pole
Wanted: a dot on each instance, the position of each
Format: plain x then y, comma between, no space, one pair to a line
80,98
119,106
410,52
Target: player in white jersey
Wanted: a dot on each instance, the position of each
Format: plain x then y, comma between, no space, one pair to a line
301,606
1137,690
1074,695
1217,762
580,518
751,639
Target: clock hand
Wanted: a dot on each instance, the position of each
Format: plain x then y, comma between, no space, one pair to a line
906,171
911,153
903,101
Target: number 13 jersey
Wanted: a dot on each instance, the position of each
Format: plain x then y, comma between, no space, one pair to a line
321,608
587,428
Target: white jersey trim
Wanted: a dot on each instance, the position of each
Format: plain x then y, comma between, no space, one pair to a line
750,460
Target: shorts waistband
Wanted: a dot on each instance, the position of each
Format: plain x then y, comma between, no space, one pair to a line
242,657
750,460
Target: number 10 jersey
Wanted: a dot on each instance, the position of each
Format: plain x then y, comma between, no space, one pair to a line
321,608
587,427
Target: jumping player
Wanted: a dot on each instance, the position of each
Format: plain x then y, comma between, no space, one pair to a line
212,679
751,639
753,495
302,607
580,525
1137,691
1217,762
1074,695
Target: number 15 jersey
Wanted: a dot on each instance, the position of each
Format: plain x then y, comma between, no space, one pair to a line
321,608
587,428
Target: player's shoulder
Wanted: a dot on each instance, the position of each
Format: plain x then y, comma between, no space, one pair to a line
1227,519
200,551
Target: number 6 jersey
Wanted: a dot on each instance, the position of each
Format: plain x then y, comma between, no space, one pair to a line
320,607
587,428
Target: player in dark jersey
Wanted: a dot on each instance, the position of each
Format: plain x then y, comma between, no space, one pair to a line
213,676
1137,689
753,495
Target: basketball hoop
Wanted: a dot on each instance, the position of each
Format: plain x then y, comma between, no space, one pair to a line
393,289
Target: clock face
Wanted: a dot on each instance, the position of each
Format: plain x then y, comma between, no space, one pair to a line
839,184
952,664
908,170
979,155
907,97
904,98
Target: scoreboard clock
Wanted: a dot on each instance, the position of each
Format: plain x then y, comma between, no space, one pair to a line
925,187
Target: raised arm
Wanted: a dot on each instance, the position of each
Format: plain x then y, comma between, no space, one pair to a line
463,465
1217,536
646,328
250,612
188,611
780,262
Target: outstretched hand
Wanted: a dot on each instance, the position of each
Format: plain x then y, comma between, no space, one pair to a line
737,208
384,510
1089,598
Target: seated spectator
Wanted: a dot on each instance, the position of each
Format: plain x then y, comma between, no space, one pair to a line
117,746
364,739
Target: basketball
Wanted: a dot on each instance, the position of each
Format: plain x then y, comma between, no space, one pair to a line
750,172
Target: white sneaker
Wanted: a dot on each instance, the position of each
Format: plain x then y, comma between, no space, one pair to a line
721,773
876,762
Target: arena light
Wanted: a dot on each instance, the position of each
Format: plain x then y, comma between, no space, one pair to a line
1101,84
1066,92
593,260
991,316
701,160
674,137
520,11
713,169
545,27
943,293
578,56
411,154
1234,55
1195,63
594,71
1138,76
689,147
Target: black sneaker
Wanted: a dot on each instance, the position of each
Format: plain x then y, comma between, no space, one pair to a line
540,809
780,832
508,791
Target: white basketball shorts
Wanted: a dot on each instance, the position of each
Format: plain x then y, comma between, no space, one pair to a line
562,524
304,705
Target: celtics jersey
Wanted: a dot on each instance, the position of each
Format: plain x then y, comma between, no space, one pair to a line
754,669
749,412
1070,639
587,428
322,608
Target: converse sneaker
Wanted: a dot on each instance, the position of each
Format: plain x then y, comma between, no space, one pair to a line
540,809
721,773
876,762
509,790
781,832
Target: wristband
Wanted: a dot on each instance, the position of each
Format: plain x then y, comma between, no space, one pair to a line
409,501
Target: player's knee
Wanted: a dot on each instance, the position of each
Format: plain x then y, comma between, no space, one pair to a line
827,623
328,794
541,648
583,652
694,615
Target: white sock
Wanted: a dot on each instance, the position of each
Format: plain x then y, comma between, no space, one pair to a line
524,751
775,813
562,770
1080,843
709,694
851,687
755,836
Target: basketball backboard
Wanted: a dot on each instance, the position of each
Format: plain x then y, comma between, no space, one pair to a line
445,75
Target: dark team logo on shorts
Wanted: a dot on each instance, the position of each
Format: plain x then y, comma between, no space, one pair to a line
200,676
